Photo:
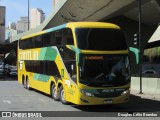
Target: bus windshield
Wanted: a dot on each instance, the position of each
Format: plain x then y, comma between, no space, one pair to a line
104,70
100,39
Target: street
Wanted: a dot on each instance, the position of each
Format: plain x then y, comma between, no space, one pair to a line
14,97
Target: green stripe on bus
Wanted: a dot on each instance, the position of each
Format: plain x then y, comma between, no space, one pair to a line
40,77
56,28
77,50
48,53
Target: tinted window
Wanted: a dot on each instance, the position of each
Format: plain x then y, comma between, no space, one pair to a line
100,39
59,37
104,70
46,39
42,67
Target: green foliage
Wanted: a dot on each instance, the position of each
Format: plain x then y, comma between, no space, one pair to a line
152,52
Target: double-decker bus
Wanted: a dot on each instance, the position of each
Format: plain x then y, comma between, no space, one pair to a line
85,63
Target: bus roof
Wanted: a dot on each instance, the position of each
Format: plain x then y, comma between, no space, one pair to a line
92,25
75,25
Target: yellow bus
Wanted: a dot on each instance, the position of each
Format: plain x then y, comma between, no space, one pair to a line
84,63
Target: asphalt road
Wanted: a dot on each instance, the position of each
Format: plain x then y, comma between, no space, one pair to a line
14,97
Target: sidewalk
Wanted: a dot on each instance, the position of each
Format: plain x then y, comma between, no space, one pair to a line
146,95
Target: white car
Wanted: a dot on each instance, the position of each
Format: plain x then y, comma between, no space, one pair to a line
1,67
12,72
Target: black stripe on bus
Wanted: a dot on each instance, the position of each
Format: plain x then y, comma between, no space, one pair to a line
42,67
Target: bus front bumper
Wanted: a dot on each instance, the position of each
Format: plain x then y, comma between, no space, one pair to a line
86,100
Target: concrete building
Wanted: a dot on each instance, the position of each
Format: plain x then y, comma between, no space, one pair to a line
9,33
22,25
2,24
12,25
55,2
37,17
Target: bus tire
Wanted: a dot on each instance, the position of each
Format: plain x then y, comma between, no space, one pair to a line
54,95
27,84
23,81
62,99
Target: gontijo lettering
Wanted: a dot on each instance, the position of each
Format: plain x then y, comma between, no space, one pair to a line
28,55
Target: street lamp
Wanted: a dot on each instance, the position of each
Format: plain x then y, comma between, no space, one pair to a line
28,15
140,47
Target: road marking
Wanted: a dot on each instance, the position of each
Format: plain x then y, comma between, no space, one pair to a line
7,101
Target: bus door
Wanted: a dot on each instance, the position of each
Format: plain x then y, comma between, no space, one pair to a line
68,72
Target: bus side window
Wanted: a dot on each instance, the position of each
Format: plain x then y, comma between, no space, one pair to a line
53,69
70,41
21,44
58,37
27,43
53,39
67,37
33,42
58,40
46,39
38,41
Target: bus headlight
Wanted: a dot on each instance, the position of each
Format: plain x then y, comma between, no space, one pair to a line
87,93
125,92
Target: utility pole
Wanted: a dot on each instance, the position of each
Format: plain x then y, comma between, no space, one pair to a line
140,47
28,15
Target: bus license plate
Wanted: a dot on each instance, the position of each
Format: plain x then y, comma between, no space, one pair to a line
108,101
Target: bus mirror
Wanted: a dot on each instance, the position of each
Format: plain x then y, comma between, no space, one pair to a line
136,53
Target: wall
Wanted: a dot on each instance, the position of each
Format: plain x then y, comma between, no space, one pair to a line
149,85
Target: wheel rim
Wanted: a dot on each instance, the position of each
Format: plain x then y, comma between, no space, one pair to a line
54,92
28,85
62,94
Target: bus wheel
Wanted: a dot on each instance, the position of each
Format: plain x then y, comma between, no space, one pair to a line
62,99
55,95
24,84
23,81
27,84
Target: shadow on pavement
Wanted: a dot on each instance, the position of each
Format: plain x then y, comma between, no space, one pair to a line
136,104
5,77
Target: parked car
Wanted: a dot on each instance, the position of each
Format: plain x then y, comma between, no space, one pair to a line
12,72
1,67
6,67
1,70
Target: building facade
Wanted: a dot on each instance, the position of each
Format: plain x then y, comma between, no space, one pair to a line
12,25
2,24
54,3
9,35
22,25
37,17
